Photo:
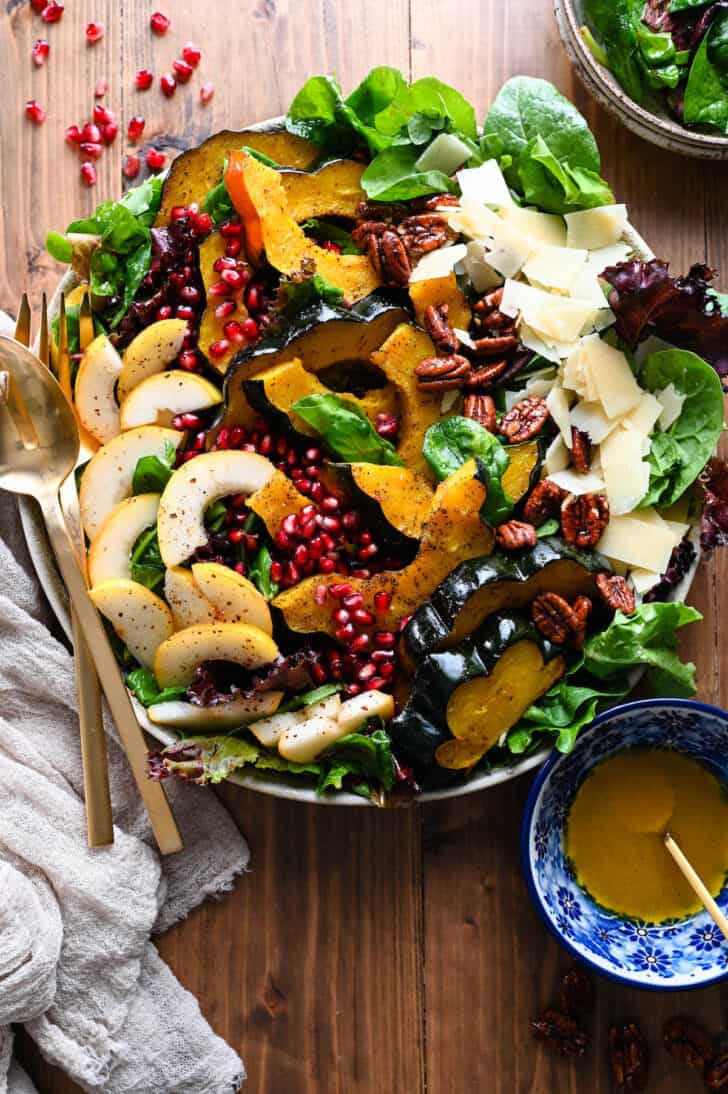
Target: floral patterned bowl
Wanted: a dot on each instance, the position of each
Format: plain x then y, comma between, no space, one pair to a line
669,956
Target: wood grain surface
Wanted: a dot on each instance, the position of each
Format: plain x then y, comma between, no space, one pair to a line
366,952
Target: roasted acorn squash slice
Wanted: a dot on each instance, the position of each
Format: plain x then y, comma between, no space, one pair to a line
403,497
272,234
441,290
211,328
452,532
274,501
464,699
480,587
332,191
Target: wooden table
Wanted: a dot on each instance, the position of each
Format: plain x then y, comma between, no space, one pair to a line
368,952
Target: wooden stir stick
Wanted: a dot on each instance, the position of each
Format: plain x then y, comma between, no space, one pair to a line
696,884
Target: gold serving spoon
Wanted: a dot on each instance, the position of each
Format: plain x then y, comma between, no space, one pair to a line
37,465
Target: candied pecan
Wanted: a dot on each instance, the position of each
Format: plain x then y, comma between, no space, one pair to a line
365,228
577,992
421,243
629,1057
561,1034
492,347
486,375
524,420
616,593
554,617
543,502
437,201
515,535
490,301
481,409
581,450
381,210
581,607
439,329
393,259
583,518
687,1042
716,1072
493,321
442,373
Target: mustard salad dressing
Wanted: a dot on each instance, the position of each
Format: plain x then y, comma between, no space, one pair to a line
615,828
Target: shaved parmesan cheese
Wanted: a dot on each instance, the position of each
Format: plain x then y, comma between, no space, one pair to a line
678,529
555,267
446,153
558,407
485,184
587,286
637,542
621,444
472,219
559,318
547,228
590,418
464,337
612,378
593,228
671,404
602,257
509,249
604,319
574,375
449,400
557,456
476,266
438,263
531,341
626,475
643,417
643,580
576,483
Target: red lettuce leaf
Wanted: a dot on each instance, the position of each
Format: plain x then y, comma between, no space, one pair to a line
714,521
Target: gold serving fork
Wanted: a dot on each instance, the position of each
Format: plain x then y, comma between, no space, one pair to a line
99,819
37,465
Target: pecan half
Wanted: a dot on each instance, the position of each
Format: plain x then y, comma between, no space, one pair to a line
423,233
493,346
581,607
583,518
393,259
581,450
381,210
577,992
365,228
442,373
515,535
629,1057
489,302
524,420
616,593
437,201
561,1034
687,1042
554,617
485,375
439,329
481,409
716,1073
543,502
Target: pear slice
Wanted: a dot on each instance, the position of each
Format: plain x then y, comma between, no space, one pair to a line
108,475
304,742
189,607
140,618
217,718
360,708
196,485
234,598
178,656
153,350
270,730
156,400
94,391
109,555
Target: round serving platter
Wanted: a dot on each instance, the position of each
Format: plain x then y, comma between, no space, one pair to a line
277,786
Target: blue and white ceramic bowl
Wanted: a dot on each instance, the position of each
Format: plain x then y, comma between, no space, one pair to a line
670,956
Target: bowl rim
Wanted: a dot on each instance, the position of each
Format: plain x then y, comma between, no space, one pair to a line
527,825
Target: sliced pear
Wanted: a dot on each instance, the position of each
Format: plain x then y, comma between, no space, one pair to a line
156,400
194,486
223,716
189,607
178,657
140,618
94,392
109,556
358,709
152,351
270,730
234,598
305,741
108,475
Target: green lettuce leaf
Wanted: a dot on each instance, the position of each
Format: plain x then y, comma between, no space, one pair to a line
259,573
346,430
615,23
152,473
365,757
143,683
146,565
568,706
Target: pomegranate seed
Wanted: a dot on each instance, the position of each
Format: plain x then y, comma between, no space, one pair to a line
185,312
367,552
102,86
232,331
316,491
94,32
327,566
73,134
250,329
143,79
354,601
387,425
109,132
387,670
183,70
329,245
52,12
38,5
403,622
223,263
237,435
191,54
363,574
232,278
233,247
363,618
190,295
366,672
340,590
300,555
379,656
219,288
207,91
159,23
361,643
88,174
330,504
319,673
345,633
239,568
385,640
342,616
365,539
102,114
135,127
203,223
350,521
230,229
179,213
353,689
321,594
276,571
168,84
382,602
238,501
35,112
91,133
222,311
375,683
220,348
91,150
155,159
237,535
165,312
41,49
188,360
292,574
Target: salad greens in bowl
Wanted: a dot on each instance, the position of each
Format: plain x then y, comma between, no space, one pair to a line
404,443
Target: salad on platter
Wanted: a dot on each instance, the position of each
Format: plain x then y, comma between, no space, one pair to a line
402,442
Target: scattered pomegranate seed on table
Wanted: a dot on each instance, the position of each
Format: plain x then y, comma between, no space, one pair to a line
109,132
192,54
41,49
91,149
159,23
207,91
88,174
35,112
102,114
143,79
73,134
94,32
168,84
135,127
102,86
38,5
91,132
182,71
52,12
155,159
131,167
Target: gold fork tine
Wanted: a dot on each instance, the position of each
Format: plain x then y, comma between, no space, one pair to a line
22,325
85,323
64,361
12,399
44,341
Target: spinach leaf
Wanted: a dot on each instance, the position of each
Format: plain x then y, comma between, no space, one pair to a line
569,705
616,23
299,293
346,430
684,5
146,565
362,755
215,515
217,202
393,176
152,473
451,442
259,573
143,683
647,637
678,456
323,231
656,48
306,698
706,98
554,186
718,42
